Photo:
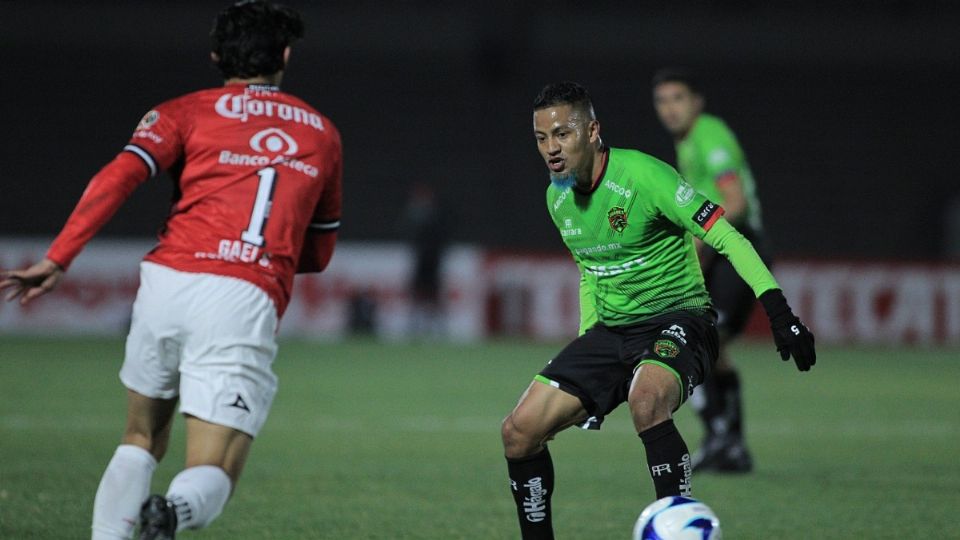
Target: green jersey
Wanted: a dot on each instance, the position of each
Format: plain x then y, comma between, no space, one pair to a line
632,241
710,155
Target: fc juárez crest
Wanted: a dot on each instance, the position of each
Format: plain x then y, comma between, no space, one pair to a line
618,218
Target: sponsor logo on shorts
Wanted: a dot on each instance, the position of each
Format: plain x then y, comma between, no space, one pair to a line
618,218
535,505
676,331
239,403
666,348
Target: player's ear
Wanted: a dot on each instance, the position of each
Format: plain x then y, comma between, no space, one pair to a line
286,55
593,130
215,57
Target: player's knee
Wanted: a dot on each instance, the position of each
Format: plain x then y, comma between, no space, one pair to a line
155,443
516,442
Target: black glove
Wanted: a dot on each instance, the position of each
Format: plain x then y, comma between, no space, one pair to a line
789,334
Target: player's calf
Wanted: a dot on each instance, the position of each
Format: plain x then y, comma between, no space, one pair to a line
531,482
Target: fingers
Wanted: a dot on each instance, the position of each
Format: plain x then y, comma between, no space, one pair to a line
32,282
32,293
17,291
804,353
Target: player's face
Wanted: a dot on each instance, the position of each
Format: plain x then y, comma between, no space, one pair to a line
565,138
676,106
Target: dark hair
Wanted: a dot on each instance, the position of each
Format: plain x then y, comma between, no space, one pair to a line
678,75
563,93
249,37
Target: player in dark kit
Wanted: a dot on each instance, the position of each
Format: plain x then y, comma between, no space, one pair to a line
257,177
647,332
710,158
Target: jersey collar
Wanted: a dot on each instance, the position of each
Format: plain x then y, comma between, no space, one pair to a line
256,87
604,156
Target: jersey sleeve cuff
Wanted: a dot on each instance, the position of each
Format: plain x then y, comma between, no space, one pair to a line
144,156
324,226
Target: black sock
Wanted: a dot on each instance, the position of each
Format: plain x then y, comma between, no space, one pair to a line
728,387
531,480
668,459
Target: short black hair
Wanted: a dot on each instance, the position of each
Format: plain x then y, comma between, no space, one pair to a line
678,75
563,93
249,37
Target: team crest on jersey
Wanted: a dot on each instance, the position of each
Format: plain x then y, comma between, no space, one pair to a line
618,218
664,348
148,120
685,193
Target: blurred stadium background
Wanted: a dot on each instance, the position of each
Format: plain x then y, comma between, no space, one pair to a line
847,112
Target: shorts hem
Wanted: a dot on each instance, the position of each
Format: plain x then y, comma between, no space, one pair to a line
162,394
232,425
585,402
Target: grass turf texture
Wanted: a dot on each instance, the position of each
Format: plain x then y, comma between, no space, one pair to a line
371,440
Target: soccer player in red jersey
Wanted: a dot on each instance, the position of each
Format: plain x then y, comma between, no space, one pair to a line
257,199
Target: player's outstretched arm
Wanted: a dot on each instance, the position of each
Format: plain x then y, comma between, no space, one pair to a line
790,335
31,282
792,338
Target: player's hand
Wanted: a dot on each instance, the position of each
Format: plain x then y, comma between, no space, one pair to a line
32,282
789,334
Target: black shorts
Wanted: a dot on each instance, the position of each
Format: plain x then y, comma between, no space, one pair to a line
732,297
598,366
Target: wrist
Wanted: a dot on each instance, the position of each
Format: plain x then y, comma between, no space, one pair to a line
775,304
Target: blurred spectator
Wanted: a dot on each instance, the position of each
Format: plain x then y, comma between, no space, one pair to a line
423,227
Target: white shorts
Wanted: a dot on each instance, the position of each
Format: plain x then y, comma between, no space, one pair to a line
209,339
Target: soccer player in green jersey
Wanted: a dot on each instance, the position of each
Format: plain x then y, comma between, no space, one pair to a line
711,160
648,330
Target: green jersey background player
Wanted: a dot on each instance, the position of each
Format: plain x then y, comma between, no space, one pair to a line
648,333
710,158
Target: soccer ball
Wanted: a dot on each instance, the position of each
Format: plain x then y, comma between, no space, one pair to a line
677,518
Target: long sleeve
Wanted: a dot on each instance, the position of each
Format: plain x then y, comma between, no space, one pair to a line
107,191
731,244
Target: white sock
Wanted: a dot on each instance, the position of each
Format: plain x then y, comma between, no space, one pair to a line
199,495
123,488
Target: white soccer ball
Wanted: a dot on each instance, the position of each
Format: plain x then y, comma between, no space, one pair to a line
677,518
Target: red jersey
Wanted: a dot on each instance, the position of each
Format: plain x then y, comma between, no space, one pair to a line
256,172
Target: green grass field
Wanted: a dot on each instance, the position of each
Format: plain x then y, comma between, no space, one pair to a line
373,440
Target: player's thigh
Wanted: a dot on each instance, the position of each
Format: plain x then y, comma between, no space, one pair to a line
592,369
217,445
226,374
654,395
542,411
148,422
684,347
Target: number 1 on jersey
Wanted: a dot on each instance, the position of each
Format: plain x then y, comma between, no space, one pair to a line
261,207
